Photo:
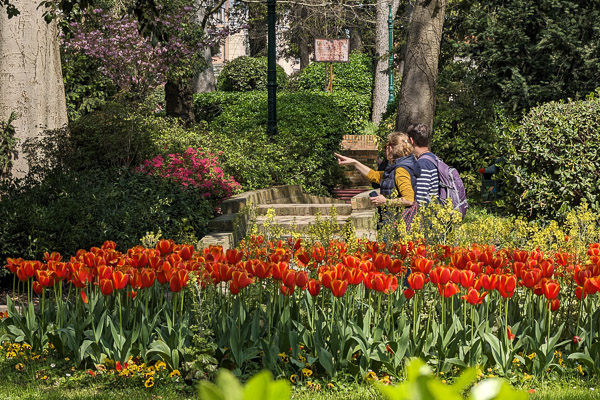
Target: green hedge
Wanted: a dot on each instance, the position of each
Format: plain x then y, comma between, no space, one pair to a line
68,211
310,129
354,76
245,74
553,159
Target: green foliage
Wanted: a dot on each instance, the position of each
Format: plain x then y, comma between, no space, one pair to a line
552,159
421,384
7,145
68,211
260,386
353,76
86,88
310,129
118,135
526,52
245,74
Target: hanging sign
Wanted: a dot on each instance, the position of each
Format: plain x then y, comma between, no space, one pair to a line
332,50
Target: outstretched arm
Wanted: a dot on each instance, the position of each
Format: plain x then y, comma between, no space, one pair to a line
360,167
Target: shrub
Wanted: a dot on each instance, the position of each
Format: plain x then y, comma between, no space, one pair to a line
310,129
245,74
355,76
553,159
68,211
193,168
118,135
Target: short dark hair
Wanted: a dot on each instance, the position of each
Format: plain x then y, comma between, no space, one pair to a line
420,134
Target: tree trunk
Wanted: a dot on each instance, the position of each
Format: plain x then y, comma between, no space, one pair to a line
205,80
417,92
31,81
179,100
382,67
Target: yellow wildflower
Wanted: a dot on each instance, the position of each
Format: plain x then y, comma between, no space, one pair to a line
330,385
20,367
160,365
175,372
310,384
385,380
149,382
580,370
294,378
532,356
307,372
371,376
301,358
526,376
26,346
318,386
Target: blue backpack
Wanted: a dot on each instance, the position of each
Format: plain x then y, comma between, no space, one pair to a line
451,186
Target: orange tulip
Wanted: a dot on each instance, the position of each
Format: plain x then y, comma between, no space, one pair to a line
489,282
509,334
554,304
262,269
286,291
532,277
278,270
241,279
289,278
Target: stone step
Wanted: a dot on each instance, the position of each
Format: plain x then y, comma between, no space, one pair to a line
304,209
363,220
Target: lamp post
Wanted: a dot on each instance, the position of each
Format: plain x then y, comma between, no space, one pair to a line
391,98
271,71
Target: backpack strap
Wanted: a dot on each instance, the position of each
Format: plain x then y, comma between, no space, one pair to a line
431,157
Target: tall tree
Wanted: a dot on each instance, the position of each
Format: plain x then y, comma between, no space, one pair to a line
417,93
382,51
30,75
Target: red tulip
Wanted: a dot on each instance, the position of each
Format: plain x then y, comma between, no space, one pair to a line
105,272
303,258
448,290
576,339
84,296
409,293
396,266
314,287
507,285
241,279
550,289
178,280
554,304
416,280
106,286
532,277
467,278
120,280
422,265
37,287
489,282
165,247
509,334
287,291
148,278
278,270
382,261
473,296
580,293
338,287
590,285
301,279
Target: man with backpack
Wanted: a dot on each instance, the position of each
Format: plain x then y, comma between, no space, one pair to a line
437,178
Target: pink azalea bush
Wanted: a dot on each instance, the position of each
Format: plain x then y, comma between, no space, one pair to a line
194,168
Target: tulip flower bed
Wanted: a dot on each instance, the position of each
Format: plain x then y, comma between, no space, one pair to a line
311,310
